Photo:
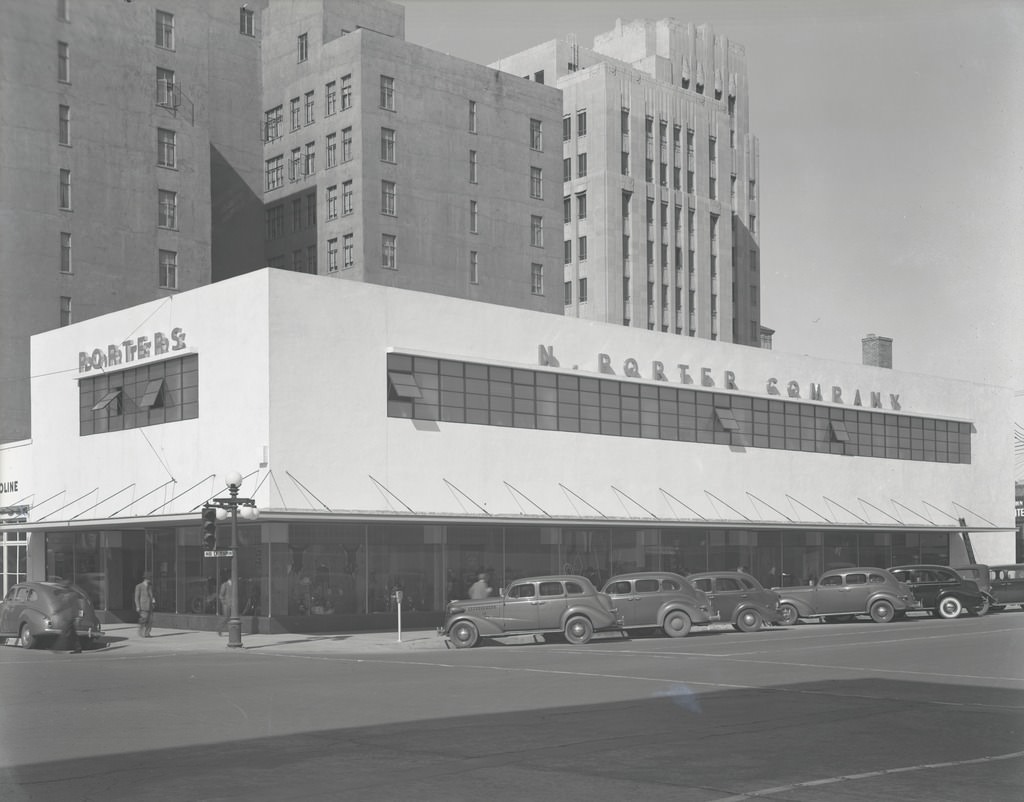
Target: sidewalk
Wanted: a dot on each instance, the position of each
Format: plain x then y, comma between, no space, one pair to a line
125,636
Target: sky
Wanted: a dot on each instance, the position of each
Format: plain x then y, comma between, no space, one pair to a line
891,138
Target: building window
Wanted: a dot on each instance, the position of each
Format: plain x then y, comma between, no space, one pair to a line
63,63
348,252
567,300
581,206
166,91
536,182
311,210
567,128
168,270
582,250
246,21
536,135
309,105
275,172
65,310
474,267
332,202
753,225
298,265
752,190
537,231
537,279
295,106
472,167
275,222
303,47
65,189
387,93
330,98
165,30
332,150
713,165
581,165
166,147
295,165
346,92
387,197
311,259
64,125
168,214
474,217
732,189
583,290
65,252
567,209
567,251
346,198
272,122
332,255
309,159
387,145
389,251
346,145
566,170
581,124
472,117
62,11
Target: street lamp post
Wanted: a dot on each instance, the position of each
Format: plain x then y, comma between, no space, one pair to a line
235,506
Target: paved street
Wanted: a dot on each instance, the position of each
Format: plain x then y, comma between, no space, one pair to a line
915,710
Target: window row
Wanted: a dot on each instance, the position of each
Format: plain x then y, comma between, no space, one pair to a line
581,125
167,269
303,216
159,392
445,390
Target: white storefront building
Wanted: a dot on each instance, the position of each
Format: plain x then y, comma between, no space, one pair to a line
394,439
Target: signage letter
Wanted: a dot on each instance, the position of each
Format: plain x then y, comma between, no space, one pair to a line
730,380
631,368
604,364
772,387
658,371
837,394
705,378
160,343
684,375
894,400
144,346
98,359
129,351
178,335
83,362
113,355
856,399
876,400
815,392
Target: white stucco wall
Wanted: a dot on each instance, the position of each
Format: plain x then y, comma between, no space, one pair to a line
296,364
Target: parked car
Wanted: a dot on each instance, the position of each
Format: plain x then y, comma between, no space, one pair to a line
844,593
659,600
739,599
545,604
1007,583
979,574
34,612
942,591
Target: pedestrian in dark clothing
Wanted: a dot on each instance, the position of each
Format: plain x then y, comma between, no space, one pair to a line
68,610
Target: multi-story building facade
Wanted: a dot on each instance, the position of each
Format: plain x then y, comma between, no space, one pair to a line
128,168
389,163
660,199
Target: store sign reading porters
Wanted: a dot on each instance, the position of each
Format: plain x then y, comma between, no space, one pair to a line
130,350
814,392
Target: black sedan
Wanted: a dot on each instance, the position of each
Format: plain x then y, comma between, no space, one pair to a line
34,612
942,590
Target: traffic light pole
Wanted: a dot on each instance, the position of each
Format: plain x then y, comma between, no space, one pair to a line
231,504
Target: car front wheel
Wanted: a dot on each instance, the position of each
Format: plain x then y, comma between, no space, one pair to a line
28,640
749,621
464,635
980,609
789,614
677,624
882,612
949,607
578,629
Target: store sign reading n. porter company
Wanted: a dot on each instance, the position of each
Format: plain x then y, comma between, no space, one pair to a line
131,350
705,377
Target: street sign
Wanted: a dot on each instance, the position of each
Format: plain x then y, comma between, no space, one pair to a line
221,553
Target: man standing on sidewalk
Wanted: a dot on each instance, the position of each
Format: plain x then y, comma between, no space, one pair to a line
145,603
224,595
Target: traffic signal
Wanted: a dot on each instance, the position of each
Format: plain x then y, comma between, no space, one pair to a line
210,527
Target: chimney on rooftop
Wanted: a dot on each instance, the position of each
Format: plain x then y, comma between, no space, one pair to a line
876,351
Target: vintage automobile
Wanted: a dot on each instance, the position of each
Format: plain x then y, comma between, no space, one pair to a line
739,599
659,600
942,591
979,574
34,612
844,593
565,604
1007,585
